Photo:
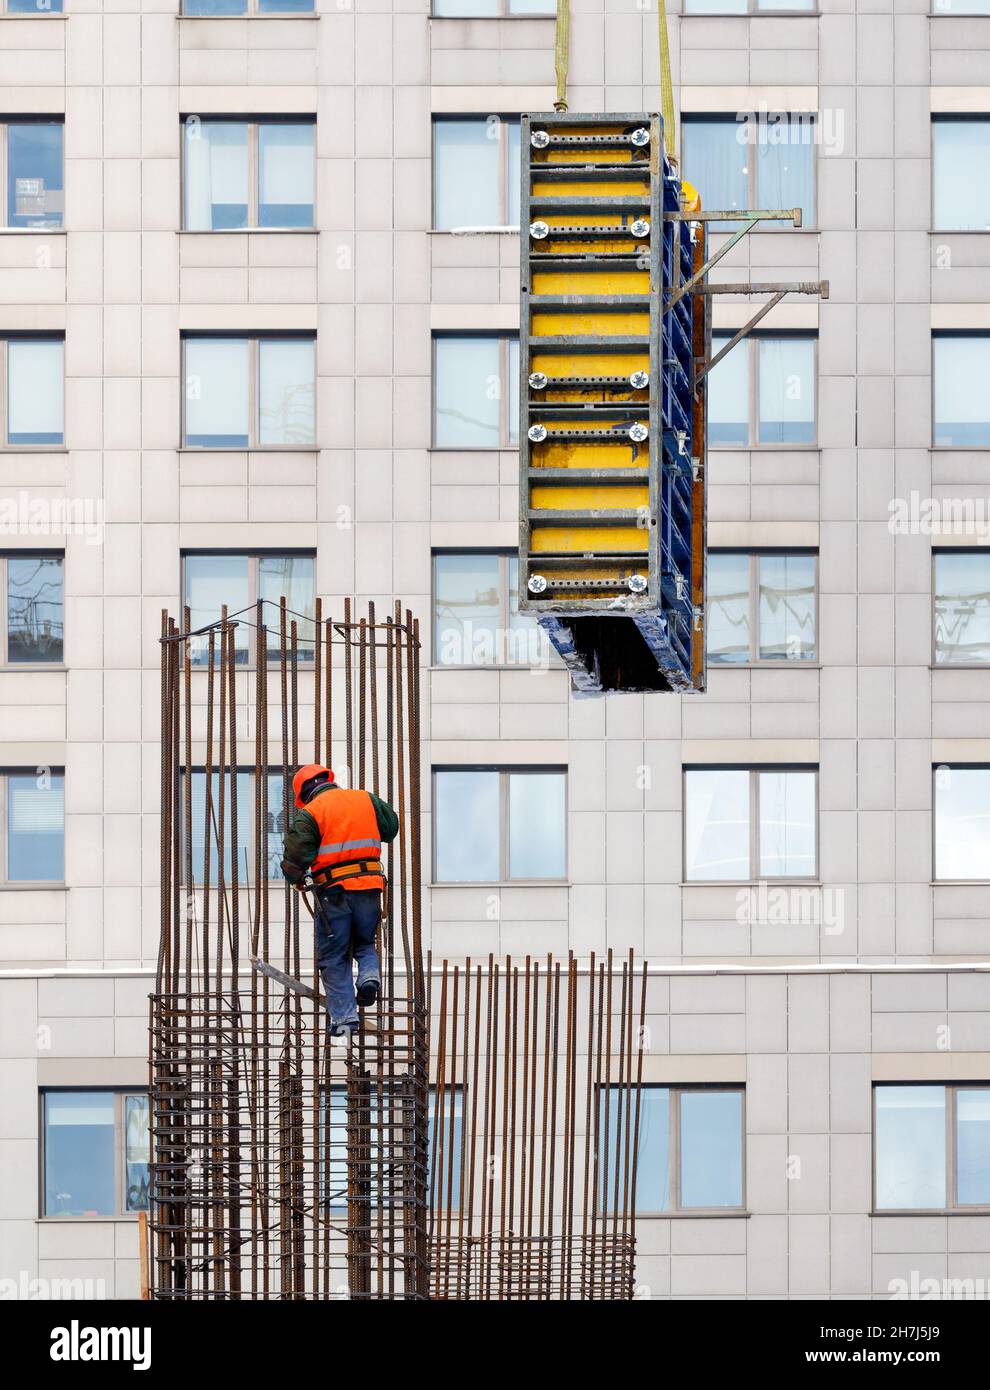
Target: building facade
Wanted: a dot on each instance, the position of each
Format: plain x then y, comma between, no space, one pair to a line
259,314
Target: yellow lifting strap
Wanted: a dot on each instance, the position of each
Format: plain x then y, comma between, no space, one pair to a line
666,84
562,37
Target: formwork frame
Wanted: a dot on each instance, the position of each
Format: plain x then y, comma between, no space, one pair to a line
621,590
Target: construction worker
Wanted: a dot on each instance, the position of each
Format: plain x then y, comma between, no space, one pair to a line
336,837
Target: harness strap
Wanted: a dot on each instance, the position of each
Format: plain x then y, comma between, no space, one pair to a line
349,868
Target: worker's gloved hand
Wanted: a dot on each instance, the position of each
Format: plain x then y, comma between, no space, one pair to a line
293,872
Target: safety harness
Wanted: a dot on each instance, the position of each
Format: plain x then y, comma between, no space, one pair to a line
346,868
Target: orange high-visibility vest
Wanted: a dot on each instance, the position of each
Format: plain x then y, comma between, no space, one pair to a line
348,837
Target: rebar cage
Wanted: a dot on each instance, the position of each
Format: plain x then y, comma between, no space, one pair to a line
284,1166
478,1139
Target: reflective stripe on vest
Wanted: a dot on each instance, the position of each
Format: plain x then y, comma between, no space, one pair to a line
348,830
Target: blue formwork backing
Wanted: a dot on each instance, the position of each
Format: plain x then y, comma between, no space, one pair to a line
669,635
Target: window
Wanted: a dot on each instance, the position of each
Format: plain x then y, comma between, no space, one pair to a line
249,393
763,392
764,163
32,150
97,1152
960,367
962,607
445,1186
951,7
32,376
751,6
932,1147
746,824
475,391
33,807
275,826
37,8
492,9
494,825
241,175
249,7
210,580
476,618
761,607
962,823
31,590
476,172
961,173
689,1155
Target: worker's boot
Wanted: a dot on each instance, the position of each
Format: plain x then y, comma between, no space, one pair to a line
367,994
341,1035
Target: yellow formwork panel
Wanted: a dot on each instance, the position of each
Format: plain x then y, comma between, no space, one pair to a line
577,456
581,363
598,217
579,540
591,282
594,188
590,498
594,323
564,247
620,568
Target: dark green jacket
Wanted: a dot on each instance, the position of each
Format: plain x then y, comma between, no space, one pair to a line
302,839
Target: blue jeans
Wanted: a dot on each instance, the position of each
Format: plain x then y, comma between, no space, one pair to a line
345,930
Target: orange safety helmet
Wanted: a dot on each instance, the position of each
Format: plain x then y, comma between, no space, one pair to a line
306,774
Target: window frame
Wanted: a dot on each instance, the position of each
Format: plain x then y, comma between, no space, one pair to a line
728,118
503,336
504,119
504,557
937,665
29,336
953,1207
252,11
505,772
253,162
5,663
14,885
755,660
936,12
120,1095
754,770
675,1091
253,556
502,12
29,118
243,881
938,334
254,341
755,10
457,1089
751,346
950,767
32,14
955,118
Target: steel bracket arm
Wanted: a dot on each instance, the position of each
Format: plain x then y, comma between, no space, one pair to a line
749,218
777,292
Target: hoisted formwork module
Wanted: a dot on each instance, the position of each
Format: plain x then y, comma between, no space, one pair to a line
616,349
283,1167
612,480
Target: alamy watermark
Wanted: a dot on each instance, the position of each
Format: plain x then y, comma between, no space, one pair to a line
788,905
34,1287
915,515
825,127
27,515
